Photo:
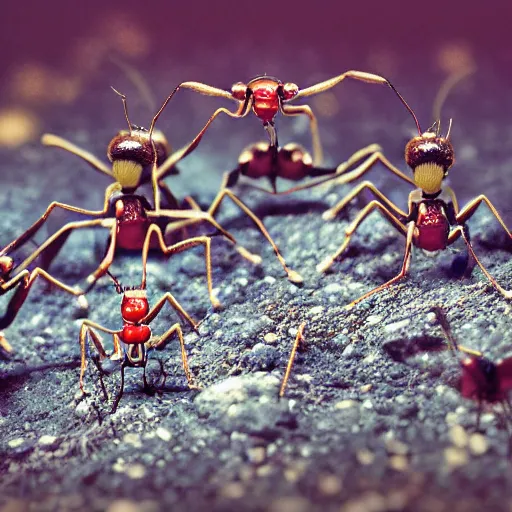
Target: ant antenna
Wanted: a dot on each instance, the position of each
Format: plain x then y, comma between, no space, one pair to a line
117,284
157,115
445,326
125,106
449,129
434,128
411,111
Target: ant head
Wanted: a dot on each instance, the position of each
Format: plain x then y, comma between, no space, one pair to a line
430,156
130,152
6,265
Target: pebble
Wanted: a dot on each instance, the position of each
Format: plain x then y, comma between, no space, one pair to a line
396,447
315,310
366,388
373,319
124,506
48,442
135,471
82,409
270,337
256,455
132,439
329,485
398,462
455,457
345,404
458,436
290,504
397,326
365,457
368,502
164,434
233,490
333,289
478,444
16,443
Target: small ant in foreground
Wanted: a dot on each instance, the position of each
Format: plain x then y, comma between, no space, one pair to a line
432,210
482,380
134,341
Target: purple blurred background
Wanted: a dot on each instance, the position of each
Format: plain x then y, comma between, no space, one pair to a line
57,68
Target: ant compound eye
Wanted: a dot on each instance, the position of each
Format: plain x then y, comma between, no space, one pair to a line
290,91
6,264
425,149
134,148
239,91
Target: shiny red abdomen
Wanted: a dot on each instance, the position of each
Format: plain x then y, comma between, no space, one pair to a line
134,334
481,380
131,234
134,309
266,98
433,227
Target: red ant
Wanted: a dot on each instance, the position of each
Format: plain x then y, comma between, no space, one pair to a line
128,216
432,211
267,96
482,380
134,341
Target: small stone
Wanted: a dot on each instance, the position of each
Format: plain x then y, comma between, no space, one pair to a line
264,471
270,337
455,457
290,504
345,404
369,502
333,289
48,442
135,471
82,409
459,436
366,388
397,326
15,443
398,462
329,485
396,447
233,491
315,310
124,506
15,506
132,439
163,434
478,444
367,404
373,319
365,457
256,455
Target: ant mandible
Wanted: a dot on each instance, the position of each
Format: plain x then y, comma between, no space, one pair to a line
432,209
134,341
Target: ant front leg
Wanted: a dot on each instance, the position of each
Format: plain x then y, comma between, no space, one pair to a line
24,282
176,248
161,342
297,110
359,189
395,222
87,331
293,276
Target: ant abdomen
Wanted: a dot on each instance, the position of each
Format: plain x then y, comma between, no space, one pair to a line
294,162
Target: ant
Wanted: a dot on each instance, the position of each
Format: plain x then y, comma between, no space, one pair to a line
134,341
482,380
127,215
267,96
432,209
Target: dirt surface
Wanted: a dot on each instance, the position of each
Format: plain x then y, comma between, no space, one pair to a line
362,427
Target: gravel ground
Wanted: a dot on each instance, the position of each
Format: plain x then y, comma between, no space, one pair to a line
371,421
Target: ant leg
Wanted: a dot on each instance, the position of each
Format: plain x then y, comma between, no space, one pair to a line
465,235
359,189
86,329
293,276
166,168
5,347
298,339
329,84
49,249
32,230
297,110
120,393
176,248
155,310
161,342
468,211
397,223
403,271
49,139
26,280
